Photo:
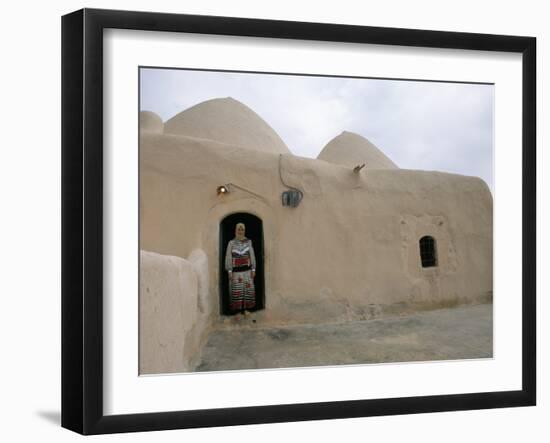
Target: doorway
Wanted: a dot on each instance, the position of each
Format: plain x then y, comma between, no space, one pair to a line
254,231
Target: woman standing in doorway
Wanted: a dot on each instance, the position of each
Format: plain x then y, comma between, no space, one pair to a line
240,264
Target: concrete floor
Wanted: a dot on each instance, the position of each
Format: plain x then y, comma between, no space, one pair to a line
445,334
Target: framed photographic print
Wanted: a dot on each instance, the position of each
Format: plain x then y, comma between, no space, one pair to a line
269,221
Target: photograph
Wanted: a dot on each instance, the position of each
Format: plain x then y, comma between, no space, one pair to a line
291,220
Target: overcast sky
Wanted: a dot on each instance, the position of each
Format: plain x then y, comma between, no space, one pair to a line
419,125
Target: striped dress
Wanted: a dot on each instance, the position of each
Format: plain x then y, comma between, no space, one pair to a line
240,259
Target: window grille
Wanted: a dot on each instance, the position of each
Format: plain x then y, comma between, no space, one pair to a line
428,253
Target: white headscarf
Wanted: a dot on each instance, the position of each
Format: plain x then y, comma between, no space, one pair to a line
236,234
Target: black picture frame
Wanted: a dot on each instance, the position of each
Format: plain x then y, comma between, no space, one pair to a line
82,220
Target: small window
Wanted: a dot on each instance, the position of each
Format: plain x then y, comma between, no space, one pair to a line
428,252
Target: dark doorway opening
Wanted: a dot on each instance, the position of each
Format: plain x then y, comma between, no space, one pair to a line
254,231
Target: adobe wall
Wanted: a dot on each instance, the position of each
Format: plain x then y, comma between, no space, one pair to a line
349,251
175,313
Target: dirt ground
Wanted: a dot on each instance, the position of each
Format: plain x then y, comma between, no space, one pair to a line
447,334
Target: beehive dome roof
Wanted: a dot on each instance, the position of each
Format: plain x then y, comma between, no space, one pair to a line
150,122
229,121
350,149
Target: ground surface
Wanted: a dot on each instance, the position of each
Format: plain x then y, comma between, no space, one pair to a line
445,334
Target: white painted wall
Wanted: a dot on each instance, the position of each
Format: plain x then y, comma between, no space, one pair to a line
30,222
